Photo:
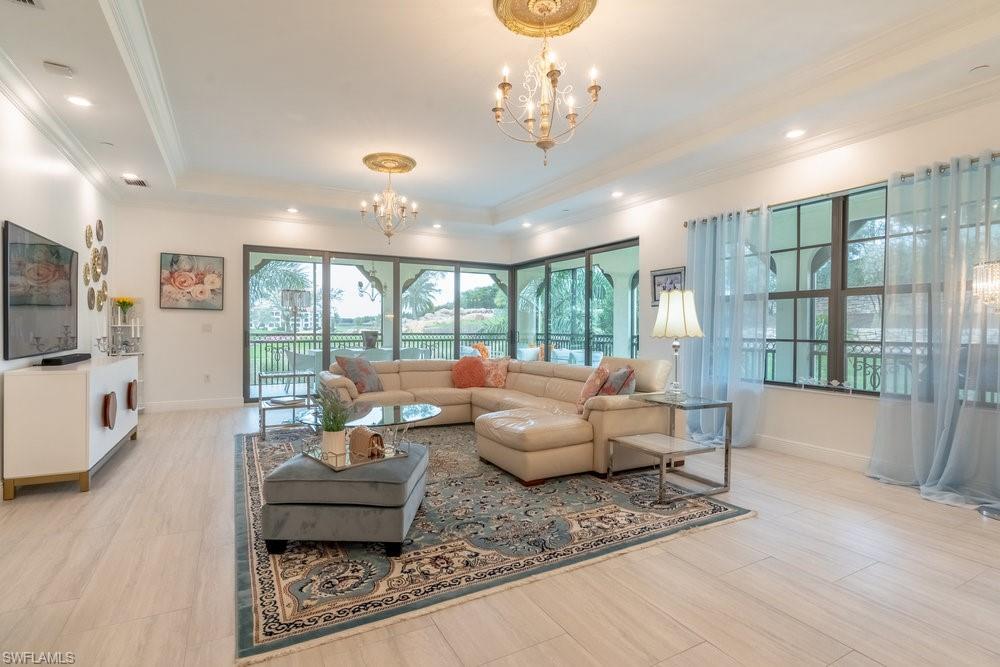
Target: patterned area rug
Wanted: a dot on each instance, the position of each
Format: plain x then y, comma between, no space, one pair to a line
477,528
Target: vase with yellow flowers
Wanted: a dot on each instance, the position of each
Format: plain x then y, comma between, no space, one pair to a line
124,304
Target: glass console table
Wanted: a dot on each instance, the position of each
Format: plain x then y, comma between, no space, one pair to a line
668,447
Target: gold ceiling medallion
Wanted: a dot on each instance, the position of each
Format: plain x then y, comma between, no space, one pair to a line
543,18
389,163
542,113
391,212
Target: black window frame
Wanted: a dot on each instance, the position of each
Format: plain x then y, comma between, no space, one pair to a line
837,294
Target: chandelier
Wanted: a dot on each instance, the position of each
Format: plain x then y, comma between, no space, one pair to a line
368,288
544,113
391,213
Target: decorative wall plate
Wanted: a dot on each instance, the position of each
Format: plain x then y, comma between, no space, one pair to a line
538,18
95,261
88,236
86,273
91,297
95,271
100,230
104,260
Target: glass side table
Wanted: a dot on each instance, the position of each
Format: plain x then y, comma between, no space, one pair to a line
301,405
691,403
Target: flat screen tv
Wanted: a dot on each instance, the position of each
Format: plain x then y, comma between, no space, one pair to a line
39,294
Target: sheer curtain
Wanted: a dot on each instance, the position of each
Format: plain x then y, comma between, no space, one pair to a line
938,421
728,261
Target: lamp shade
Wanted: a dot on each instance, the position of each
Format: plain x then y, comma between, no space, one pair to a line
676,317
295,298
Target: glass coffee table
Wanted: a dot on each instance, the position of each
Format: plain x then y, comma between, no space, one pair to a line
391,420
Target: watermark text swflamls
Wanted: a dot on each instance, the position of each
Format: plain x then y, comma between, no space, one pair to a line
38,657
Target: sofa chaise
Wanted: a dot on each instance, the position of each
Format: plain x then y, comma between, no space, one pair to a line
530,427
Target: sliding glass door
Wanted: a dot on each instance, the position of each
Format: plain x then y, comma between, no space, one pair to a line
427,308
279,338
568,311
361,308
614,312
529,313
483,310
579,308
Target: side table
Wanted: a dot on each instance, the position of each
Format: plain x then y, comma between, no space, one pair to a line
673,448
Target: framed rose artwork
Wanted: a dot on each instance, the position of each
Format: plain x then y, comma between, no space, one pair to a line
191,282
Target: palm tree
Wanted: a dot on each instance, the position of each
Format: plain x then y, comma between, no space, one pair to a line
272,276
418,297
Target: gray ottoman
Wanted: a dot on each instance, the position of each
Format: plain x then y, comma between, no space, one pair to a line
306,500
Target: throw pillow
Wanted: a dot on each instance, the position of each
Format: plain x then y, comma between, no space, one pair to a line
620,381
496,372
592,386
468,372
361,372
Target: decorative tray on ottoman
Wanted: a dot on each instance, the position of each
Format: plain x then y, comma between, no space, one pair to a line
340,462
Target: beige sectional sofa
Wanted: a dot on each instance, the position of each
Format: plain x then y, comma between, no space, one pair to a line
531,427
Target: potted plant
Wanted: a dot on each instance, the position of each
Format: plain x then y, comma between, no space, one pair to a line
335,413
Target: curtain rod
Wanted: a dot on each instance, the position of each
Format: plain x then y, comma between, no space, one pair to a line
946,167
943,168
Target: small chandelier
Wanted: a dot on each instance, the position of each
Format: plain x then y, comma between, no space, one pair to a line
369,289
986,282
391,212
544,114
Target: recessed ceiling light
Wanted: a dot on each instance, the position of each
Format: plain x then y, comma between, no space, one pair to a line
292,209
617,193
79,101
437,225
526,224
129,176
794,134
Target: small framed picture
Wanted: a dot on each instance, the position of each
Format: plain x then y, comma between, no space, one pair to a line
665,280
191,282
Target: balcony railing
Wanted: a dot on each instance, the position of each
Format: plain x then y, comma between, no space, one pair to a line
865,369
271,352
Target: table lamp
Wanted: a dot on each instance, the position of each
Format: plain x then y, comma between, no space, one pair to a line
676,318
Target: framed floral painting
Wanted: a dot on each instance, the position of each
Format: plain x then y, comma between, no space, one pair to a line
191,282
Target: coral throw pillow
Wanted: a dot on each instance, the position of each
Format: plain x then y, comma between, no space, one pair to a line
496,372
592,386
468,372
620,381
361,372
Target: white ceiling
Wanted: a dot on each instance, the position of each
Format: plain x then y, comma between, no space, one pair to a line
251,107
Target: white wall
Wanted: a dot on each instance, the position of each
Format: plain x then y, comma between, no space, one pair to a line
809,423
42,191
182,347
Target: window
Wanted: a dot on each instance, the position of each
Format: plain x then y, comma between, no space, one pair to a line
483,310
824,314
580,307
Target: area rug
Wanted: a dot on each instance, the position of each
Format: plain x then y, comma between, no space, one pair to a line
478,528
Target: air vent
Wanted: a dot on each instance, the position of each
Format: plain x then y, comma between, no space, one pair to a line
137,182
58,69
28,3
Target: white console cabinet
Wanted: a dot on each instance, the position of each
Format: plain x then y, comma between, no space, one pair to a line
61,423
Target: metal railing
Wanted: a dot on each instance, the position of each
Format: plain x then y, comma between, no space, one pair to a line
867,369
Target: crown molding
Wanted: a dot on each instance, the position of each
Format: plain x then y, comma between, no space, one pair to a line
16,87
327,197
968,97
127,22
925,39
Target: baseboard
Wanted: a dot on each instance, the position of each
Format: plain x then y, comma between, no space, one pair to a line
804,450
196,404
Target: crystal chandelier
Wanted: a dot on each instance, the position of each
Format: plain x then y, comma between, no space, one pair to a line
544,113
391,213
986,274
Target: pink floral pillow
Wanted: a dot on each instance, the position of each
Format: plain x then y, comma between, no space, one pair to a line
592,386
361,372
620,381
496,372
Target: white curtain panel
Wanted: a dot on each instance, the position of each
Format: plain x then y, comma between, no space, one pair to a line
938,421
728,261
